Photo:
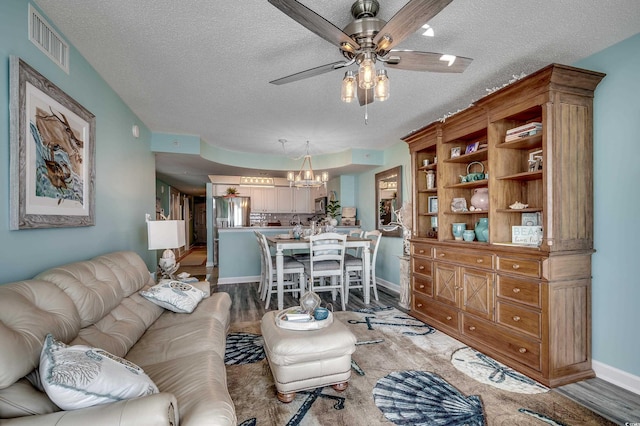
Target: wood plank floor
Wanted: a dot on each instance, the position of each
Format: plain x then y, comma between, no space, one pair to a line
612,402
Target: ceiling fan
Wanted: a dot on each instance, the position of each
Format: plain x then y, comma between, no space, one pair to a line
368,39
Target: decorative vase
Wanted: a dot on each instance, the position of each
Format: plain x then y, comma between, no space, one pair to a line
431,179
482,230
333,222
480,198
309,302
458,229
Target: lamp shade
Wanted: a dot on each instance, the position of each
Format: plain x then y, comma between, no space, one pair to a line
166,234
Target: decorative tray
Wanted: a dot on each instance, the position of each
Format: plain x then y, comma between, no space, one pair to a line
310,324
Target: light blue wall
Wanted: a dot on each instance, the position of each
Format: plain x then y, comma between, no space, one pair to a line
125,166
388,264
616,282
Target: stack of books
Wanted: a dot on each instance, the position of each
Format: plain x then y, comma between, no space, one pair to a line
523,131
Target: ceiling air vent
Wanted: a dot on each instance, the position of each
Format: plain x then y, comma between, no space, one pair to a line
48,40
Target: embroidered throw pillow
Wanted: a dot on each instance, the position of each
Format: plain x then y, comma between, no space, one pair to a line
175,296
81,376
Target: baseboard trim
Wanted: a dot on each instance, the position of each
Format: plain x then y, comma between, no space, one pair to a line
238,280
616,376
392,287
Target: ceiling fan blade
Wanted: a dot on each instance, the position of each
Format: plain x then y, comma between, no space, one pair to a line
314,22
309,73
365,96
425,61
412,16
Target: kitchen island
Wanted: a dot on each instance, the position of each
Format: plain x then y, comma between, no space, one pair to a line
239,256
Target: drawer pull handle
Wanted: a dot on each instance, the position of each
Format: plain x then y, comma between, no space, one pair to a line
421,251
472,328
421,267
516,290
441,255
421,285
448,317
419,305
516,318
522,350
479,260
515,266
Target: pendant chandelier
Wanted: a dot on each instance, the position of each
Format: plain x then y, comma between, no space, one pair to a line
306,178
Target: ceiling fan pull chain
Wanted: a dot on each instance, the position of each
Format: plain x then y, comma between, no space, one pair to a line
366,108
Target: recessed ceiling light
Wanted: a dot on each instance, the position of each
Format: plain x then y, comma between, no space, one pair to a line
448,58
428,31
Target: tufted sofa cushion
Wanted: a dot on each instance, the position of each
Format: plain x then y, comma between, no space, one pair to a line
30,310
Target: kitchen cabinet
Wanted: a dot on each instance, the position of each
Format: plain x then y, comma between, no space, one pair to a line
263,200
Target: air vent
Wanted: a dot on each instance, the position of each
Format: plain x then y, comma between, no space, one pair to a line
48,40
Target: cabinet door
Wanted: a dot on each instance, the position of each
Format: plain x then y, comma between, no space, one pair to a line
477,292
301,201
284,199
446,283
263,200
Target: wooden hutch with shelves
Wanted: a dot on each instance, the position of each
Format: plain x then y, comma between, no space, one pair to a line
527,306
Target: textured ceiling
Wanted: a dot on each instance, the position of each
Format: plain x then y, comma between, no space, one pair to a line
203,67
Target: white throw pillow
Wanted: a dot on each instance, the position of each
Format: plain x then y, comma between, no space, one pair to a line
175,296
81,376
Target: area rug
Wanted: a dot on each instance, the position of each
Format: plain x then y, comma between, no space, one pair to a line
195,258
403,372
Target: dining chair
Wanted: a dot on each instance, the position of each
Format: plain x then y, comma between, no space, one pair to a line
263,269
326,260
354,267
358,233
291,269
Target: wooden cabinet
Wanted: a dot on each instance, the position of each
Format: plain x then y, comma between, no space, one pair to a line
528,306
263,200
293,200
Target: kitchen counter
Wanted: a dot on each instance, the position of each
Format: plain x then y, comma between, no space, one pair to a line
239,256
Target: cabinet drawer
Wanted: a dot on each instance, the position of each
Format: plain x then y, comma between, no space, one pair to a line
443,314
524,351
476,259
422,266
527,292
422,250
423,285
522,319
528,267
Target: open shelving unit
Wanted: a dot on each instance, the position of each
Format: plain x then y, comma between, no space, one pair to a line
526,305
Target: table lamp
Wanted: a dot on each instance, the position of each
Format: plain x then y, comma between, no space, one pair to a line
167,235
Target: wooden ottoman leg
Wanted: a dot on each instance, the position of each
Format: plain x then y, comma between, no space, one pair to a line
340,386
286,397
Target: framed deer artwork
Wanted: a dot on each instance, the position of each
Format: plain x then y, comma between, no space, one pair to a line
52,167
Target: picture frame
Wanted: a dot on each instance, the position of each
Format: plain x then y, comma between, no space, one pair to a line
434,222
52,154
455,152
535,160
472,147
432,204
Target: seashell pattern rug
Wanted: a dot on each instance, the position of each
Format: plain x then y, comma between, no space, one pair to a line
404,372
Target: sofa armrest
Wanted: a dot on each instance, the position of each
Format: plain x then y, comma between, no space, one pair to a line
158,409
204,286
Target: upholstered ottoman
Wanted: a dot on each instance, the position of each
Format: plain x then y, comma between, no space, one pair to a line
307,359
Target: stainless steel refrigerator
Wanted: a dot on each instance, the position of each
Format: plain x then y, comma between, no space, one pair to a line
229,212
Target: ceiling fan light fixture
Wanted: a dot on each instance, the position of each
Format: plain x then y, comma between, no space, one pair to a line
348,92
381,92
367,72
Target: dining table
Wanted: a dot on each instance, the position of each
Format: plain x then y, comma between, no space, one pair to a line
281,244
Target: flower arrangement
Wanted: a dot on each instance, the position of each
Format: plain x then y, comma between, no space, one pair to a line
232,191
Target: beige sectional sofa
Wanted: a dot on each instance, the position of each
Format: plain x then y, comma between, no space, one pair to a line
97,303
